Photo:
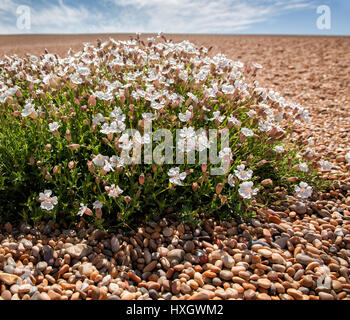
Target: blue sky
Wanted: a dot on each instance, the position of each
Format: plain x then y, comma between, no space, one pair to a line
175,16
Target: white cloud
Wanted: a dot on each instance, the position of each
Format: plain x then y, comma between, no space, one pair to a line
172,16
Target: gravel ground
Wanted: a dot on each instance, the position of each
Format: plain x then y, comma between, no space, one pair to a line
292,251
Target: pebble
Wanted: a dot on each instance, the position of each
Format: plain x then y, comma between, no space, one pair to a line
78,251
325,296
226,275
264,283
228,261
8,278
176,254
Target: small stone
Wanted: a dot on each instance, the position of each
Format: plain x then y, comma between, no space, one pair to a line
79,251
325,296
228,261
53,295
296,294
265,253
8,278
48,255
300,208
44,296
75,296
24,288
6,295
153,294
304,259
176,287
150,266
264,283
134,277
199,296
35,296
249,294
168,232
86,269
9,269
127,296
176,254
307,281
115,245
226,275
337,285
41,266
189,246
278,259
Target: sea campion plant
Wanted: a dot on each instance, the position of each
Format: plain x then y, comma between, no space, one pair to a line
116,132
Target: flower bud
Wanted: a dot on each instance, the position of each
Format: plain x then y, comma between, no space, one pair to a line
127,199
74,146
194,186
92,101
56,169
68,136
71,164
31,161
261,163
48,147
204,167
266,182
91,166
219,188
142,179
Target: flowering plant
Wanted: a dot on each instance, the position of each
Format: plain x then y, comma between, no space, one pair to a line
97,129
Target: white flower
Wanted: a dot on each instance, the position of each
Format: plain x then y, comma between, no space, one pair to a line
247,132
188,140
28,110
108,166
216,116
184,117
245,190
278,149
234,120
83,209
202,142
54,126
117,114
100,160
114,127
303,190
193,97
225,155
311,141
228,89
347,157
98,119
47,202
231,180
148,116
84,71
326,165
176,177
116,162
114,191
251,114
97,204
265,126
243,174
303,167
